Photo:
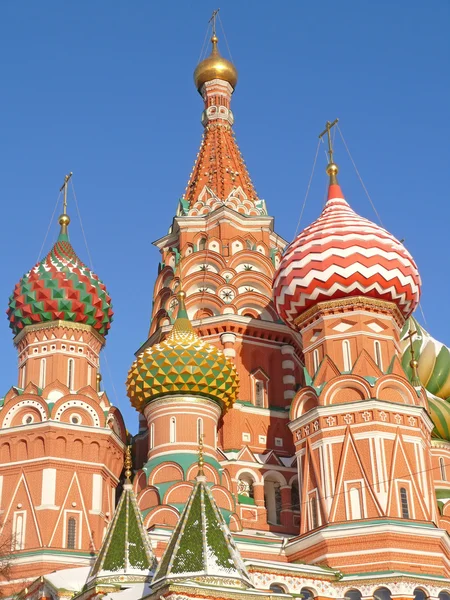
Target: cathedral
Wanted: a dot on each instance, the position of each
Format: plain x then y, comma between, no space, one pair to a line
294,422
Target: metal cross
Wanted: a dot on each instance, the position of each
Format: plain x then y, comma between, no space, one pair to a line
213,20
64,187
327,131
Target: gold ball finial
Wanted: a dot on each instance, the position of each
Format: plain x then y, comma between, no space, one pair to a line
215,67
128,463
181,295
64,220
413,364
332,169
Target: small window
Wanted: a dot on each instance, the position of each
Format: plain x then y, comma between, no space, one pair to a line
295,496
347,355
404,503
202,244
23,373
378,358
277,588
259,394
442,468
71,533
173,430
420,594
18,537
315,360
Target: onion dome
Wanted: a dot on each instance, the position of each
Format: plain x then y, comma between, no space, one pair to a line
440,415
182,364
215,67
60,288
343,255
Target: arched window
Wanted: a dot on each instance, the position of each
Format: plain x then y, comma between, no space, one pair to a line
202,244
306,594
42,372
352,595
260,385
404,503
277,588
314,515
199,429
151,437
245,485
89,375
315,360
420,594
71,532
444,596
259,393
70,373
249,244
18,537
347,355
382,593
173,430
378,357
442,467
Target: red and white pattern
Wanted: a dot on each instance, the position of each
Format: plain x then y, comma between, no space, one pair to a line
340,255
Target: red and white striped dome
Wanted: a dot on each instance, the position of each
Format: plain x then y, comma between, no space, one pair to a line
341,255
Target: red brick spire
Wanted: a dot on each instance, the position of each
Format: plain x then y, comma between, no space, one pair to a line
219,175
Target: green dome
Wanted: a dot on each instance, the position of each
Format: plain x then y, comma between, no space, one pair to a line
440,415
182,364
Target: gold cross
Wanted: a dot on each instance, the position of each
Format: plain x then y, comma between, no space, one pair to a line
213,20
64,187
327,131
413,362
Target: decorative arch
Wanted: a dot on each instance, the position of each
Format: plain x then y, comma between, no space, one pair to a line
165,472
22,405
148,499
178,493
223,498
98,418
162,515
345,389
394,389
304,401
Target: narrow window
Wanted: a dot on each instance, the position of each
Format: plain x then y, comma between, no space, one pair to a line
259,394
378,358
18,538
355,503
199,429
314,514
42,372
347,355
71,533
70,373
151,441
23,376
173,430
89,375
442,467
404,503
202,244
315,360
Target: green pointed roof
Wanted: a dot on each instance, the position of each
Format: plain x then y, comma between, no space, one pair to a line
126,549
201,546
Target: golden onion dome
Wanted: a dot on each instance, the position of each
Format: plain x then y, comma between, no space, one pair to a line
182,364
215,67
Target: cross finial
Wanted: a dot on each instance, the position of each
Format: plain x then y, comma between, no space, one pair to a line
64,219
332,168
201,460
128,464
213,21
413,362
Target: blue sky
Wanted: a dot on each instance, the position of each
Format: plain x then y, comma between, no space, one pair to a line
104,89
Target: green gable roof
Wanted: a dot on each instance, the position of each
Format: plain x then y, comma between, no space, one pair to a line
126,549
202,546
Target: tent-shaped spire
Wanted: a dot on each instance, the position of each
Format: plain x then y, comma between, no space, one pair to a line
202,546
126,551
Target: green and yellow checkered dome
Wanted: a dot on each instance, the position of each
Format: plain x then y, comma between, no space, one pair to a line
183,364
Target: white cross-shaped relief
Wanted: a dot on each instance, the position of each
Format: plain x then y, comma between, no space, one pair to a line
348,419
398,419
298,434
316,425
412,421
383,415
367,416
307,430
331,421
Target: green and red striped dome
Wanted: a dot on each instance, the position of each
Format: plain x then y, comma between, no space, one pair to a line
60,288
